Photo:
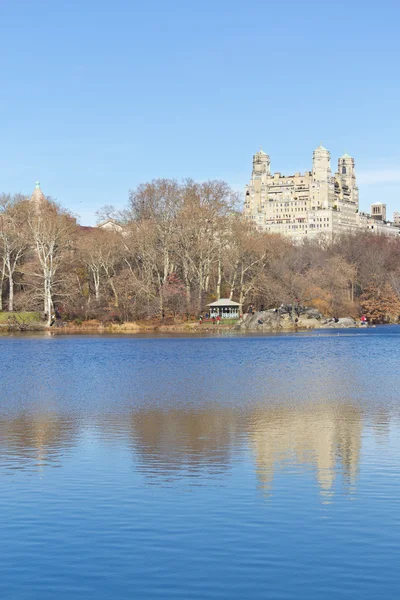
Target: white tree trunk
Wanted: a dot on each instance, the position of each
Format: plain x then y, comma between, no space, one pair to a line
11,294
219,279
10,283
2,277
96,281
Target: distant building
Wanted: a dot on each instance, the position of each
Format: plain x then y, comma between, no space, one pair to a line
37,198
110,225
375,222
378,211
313,204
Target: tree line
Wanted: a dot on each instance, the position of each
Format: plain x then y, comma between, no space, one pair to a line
176,247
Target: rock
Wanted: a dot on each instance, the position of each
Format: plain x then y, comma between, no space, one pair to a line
285,318
343,323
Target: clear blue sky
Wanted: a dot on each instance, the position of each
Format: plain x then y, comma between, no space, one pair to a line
98,96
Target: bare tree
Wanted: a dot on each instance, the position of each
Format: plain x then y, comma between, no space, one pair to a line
51,230
13,241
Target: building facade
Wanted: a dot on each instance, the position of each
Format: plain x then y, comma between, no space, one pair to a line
316,203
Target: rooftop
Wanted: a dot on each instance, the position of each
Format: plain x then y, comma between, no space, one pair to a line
224,302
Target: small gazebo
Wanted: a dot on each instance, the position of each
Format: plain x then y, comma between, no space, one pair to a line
225,308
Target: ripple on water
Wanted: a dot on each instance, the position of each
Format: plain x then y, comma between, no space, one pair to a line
246,467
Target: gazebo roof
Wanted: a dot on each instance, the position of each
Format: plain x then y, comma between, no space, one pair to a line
224,302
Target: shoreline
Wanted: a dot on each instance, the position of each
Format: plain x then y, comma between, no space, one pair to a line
192,329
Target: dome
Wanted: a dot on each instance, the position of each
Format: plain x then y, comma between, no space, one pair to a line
345,155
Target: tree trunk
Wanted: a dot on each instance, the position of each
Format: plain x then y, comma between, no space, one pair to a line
201,286
187,286
10,294
233,282
112,286
2,276
160,293
166,266
49,307
45,297
10,284
241,295
96,281
219,279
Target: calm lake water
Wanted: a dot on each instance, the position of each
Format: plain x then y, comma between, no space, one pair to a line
215,467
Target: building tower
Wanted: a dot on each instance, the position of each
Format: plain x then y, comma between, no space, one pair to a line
321,164
322,187
347,178
261,163
255,192
378,211
37,198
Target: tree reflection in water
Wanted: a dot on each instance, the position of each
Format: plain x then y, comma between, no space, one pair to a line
173,444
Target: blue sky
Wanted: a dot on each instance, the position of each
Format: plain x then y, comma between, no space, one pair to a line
99,96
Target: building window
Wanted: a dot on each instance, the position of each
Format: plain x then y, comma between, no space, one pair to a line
343,170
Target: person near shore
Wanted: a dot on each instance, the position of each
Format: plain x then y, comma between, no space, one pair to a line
213,320
200,320
218,320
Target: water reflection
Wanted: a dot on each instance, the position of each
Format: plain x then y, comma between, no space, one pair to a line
170,444
324,436
35,440
199,468
169,441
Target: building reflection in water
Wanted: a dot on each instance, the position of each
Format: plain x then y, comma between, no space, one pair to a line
324,436
169,442
178,443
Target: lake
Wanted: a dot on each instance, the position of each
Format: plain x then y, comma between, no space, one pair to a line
211,467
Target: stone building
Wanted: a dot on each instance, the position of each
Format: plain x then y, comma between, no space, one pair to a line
378,211
316,203
375,221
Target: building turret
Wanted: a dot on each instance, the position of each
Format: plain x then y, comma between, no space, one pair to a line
321,164
347,178
346,169
322,187
261,163
256,191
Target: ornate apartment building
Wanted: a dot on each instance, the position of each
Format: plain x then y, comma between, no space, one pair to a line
315,203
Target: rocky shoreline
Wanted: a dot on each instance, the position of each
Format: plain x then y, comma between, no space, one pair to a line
288,318
285,318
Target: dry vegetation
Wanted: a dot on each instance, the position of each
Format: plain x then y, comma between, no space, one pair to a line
181,246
